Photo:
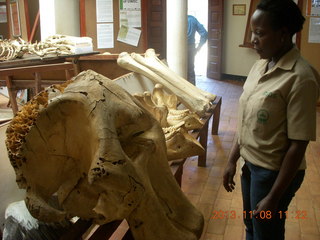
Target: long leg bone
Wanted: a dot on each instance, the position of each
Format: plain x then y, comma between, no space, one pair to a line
196,104
164,71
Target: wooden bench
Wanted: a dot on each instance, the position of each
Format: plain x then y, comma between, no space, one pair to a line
37,83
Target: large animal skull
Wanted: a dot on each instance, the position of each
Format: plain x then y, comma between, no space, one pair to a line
94,149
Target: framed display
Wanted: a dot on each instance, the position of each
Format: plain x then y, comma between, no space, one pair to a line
238,9
15,18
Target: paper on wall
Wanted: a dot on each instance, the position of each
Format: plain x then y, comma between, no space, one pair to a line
105,35
130,13
3,14
129,35
314,30
104,10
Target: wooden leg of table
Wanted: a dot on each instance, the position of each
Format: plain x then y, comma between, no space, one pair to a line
37,77
128,236
77,230
216,116
69,75
105,231
12,95
203,139
76,67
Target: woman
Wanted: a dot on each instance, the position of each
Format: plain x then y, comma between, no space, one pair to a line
277,119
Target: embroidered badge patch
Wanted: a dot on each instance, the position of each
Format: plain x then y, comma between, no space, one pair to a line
262,116
270,94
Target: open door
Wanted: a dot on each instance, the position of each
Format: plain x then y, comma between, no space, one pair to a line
215,23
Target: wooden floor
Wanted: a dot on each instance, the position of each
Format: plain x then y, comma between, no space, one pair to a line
203,185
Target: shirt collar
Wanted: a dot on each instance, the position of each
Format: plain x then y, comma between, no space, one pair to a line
286,62
289,59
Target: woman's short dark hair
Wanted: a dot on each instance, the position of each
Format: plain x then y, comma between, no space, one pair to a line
283,13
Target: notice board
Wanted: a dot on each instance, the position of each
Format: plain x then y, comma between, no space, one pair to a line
93,22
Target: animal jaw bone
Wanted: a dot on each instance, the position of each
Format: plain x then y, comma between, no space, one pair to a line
191,120
192,100
180,144
175,123
157,103
159,97
104,156
158,112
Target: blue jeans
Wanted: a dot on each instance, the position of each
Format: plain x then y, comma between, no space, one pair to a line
256,183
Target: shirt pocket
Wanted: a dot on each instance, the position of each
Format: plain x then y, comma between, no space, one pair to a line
269,114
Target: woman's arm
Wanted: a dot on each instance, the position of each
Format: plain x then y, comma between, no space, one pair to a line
288,170
231,167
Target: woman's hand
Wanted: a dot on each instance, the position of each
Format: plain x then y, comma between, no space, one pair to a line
231,168
266,204
228,175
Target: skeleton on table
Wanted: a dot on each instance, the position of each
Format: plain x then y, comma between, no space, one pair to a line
54,45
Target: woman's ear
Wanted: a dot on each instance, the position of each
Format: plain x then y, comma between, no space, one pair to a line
285,34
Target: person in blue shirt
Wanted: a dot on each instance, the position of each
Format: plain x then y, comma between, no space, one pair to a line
193,27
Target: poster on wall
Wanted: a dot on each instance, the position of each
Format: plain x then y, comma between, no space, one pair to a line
130,13
314,30
105,35
3,14
104,10
313,8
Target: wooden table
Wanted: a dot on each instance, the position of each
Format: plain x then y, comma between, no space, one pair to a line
37,83
27,73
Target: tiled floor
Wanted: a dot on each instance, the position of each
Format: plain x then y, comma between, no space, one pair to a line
204,187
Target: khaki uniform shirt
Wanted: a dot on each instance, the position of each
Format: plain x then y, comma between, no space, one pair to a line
276,106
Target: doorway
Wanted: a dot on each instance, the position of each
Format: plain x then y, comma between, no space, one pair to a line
199,9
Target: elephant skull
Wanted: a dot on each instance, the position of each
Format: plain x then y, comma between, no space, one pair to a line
89,149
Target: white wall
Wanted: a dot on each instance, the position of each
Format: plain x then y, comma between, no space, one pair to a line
67,17
177,36
236,60
8,186
59,17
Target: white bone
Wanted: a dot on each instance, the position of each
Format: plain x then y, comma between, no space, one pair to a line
196,104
